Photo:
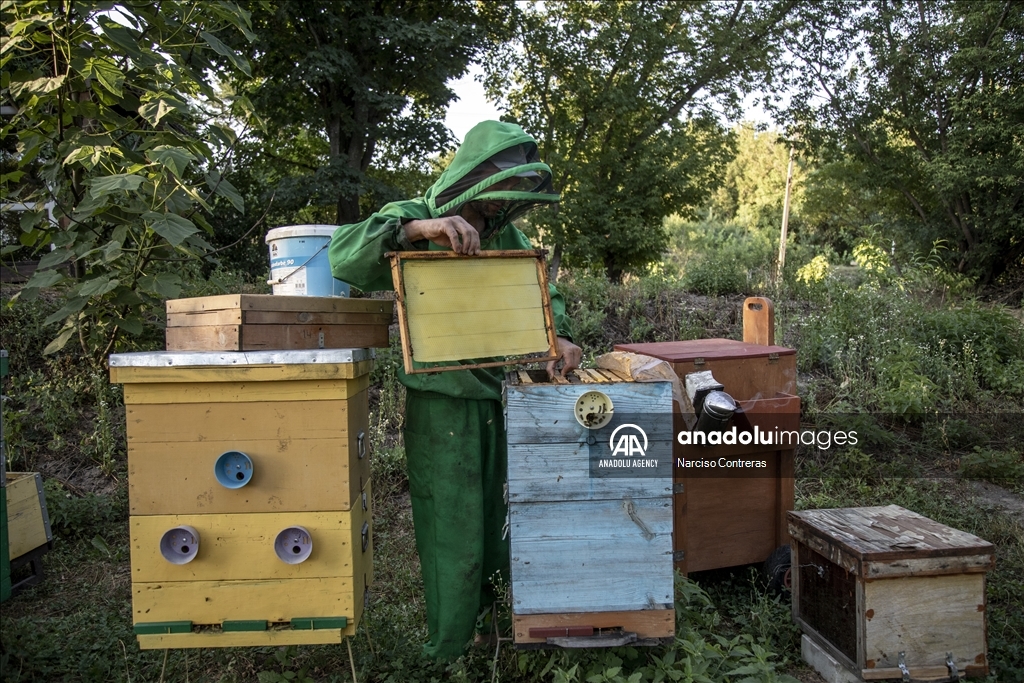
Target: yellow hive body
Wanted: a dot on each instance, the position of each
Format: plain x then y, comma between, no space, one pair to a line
301,417
27,520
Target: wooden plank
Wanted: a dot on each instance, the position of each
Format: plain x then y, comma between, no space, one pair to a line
929,566
926,617
685,352
524,377
729,521
558,379
26,529
543,413
317,318
758,321
658,623
403,313
235,373
240,547
213,602
256,421
207,338
618,554
240,317
889,533
225,317
271,302
561,472
276,638
273,337
289,475
585,377
245,392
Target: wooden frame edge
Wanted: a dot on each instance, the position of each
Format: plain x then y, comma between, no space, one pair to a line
403,322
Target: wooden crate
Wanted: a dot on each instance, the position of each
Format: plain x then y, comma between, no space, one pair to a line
454,308
302,418
258,322
726,521
28,522
591,556
872,583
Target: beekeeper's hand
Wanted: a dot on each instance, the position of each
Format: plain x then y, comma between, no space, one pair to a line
453,232
570,356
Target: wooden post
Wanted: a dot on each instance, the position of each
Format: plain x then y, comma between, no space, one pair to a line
759,321
785,217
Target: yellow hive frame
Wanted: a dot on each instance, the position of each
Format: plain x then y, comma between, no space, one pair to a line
502,296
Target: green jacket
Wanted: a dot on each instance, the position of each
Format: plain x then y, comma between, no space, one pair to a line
357,251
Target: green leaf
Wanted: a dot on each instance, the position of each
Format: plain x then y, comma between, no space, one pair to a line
131,325
108,75
37,86
171,227
167,285
120,36
53,258
72,305
113,183
100,544
97,286
156,110
44,278
175,159
240,62
59,343
228,191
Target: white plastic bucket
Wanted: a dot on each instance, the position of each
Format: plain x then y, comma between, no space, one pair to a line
298,261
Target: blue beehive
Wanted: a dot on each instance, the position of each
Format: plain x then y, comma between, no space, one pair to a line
590,509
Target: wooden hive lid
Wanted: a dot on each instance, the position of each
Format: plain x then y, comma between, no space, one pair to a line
271,302
708,349
872,534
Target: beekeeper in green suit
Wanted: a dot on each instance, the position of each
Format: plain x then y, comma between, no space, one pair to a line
454,428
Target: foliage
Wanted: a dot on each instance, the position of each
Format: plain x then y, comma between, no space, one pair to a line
623,99
996,465
925,100
893,353
115,138
344,87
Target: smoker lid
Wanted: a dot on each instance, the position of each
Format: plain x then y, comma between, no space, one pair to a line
708,349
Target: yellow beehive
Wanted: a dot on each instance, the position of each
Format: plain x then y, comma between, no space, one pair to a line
249,495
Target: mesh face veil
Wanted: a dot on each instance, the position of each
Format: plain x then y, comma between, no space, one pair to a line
506,186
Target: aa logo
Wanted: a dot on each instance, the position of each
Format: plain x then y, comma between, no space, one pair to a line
625,441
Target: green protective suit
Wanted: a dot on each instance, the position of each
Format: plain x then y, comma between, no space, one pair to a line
454,426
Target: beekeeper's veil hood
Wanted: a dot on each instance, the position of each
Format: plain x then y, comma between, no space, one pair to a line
493,151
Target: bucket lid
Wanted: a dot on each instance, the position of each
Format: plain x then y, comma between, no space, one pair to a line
300,231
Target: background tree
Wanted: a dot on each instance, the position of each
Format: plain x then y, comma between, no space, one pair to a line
626,101
927,99
112,129
358,82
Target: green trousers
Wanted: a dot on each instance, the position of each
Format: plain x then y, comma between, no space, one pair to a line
457,459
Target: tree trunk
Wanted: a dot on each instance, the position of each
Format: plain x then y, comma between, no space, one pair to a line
556,262
347,209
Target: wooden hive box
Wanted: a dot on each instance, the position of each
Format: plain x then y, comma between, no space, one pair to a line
726,521
591,555
300,419
881,587
264,322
